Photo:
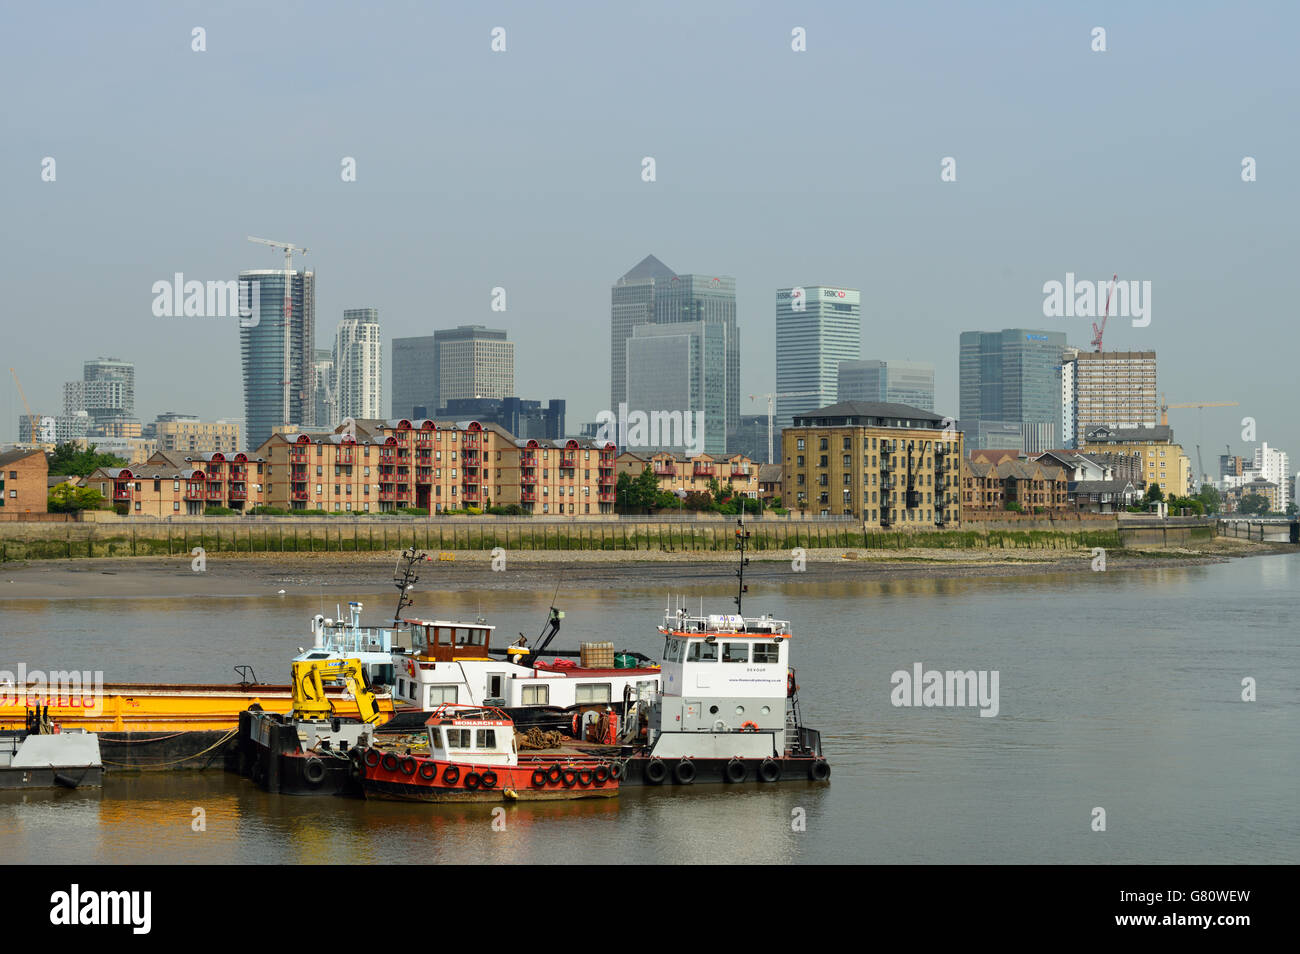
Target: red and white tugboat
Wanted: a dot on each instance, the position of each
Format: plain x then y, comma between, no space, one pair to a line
469,755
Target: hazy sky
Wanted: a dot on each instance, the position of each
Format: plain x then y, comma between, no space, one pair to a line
522,169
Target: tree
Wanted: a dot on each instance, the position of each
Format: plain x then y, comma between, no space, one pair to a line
1209,496
65,498
70,459
637,494
1253,504
1154,493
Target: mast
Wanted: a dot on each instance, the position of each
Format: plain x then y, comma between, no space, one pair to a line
405,578
742,537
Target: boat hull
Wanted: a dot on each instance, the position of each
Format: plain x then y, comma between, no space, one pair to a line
410,778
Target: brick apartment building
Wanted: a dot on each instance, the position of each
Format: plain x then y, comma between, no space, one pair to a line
694,474
24,487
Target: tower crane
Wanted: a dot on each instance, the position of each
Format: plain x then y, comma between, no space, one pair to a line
1096,331
289,249
771,411
31,418
1164,408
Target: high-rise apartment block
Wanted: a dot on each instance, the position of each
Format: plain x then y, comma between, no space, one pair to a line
279,357
357,366
1115,389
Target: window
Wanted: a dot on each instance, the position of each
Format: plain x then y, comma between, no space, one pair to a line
440,694
176,505
137,505
824,444
592,692
769,652
799,444
486,739
702,652
536,695
457,738
735,652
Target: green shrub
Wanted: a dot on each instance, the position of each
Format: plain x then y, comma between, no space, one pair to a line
214,511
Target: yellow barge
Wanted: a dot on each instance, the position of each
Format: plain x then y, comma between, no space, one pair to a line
163,726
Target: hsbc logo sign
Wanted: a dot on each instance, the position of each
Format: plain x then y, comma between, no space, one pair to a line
833,293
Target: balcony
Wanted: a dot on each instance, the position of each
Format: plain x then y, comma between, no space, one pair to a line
387,495
344,456
193,491
424,475
297,455
528,494
664,470
702,470
214,493
121,493
941,466
887,484
885,464
470,493
605,496
527,478
739,471
528,460
913,499
298,495
568,460
238,473
238,493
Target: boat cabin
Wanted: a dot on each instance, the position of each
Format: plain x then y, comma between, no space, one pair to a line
726,655
472,734
443,640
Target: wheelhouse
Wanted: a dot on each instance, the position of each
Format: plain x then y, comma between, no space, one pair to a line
478,735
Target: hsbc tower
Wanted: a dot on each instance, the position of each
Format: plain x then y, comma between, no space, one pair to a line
817,327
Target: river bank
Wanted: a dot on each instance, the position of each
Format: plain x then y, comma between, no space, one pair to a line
260,574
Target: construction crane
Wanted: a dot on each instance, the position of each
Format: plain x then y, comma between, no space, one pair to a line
1164,407
1096,331
771,411
289,249
31,418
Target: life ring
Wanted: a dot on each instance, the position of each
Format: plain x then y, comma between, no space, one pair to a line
656,772
553,774
819,771
313,770
390,762
489,779
539,778
408,766
735,771
790,687
601,775
585,777
372,757
749,727
769,770
684,772
575,725
473,780
410,668
428,771
451,775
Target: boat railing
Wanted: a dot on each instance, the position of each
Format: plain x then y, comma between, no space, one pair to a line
748,624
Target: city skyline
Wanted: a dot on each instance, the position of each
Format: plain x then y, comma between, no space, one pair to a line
974,252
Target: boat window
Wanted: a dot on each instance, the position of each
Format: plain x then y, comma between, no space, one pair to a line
535,695
381,674
401,687
702,651
418,638
735,652
458,738
440,694
487,739
672,652
592,692
766,652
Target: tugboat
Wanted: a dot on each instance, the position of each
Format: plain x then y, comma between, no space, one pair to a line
729,709
45,755
468,754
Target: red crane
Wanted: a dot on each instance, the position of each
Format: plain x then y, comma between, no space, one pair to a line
1096,331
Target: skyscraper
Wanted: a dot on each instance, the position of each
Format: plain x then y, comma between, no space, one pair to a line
1013,376
632,303
274,355
679,372
106,393
471,361
1107,388
890,382
357,359
325,399
817,327
712,301
415,379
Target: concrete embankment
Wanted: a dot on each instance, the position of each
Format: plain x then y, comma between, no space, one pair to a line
37,541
